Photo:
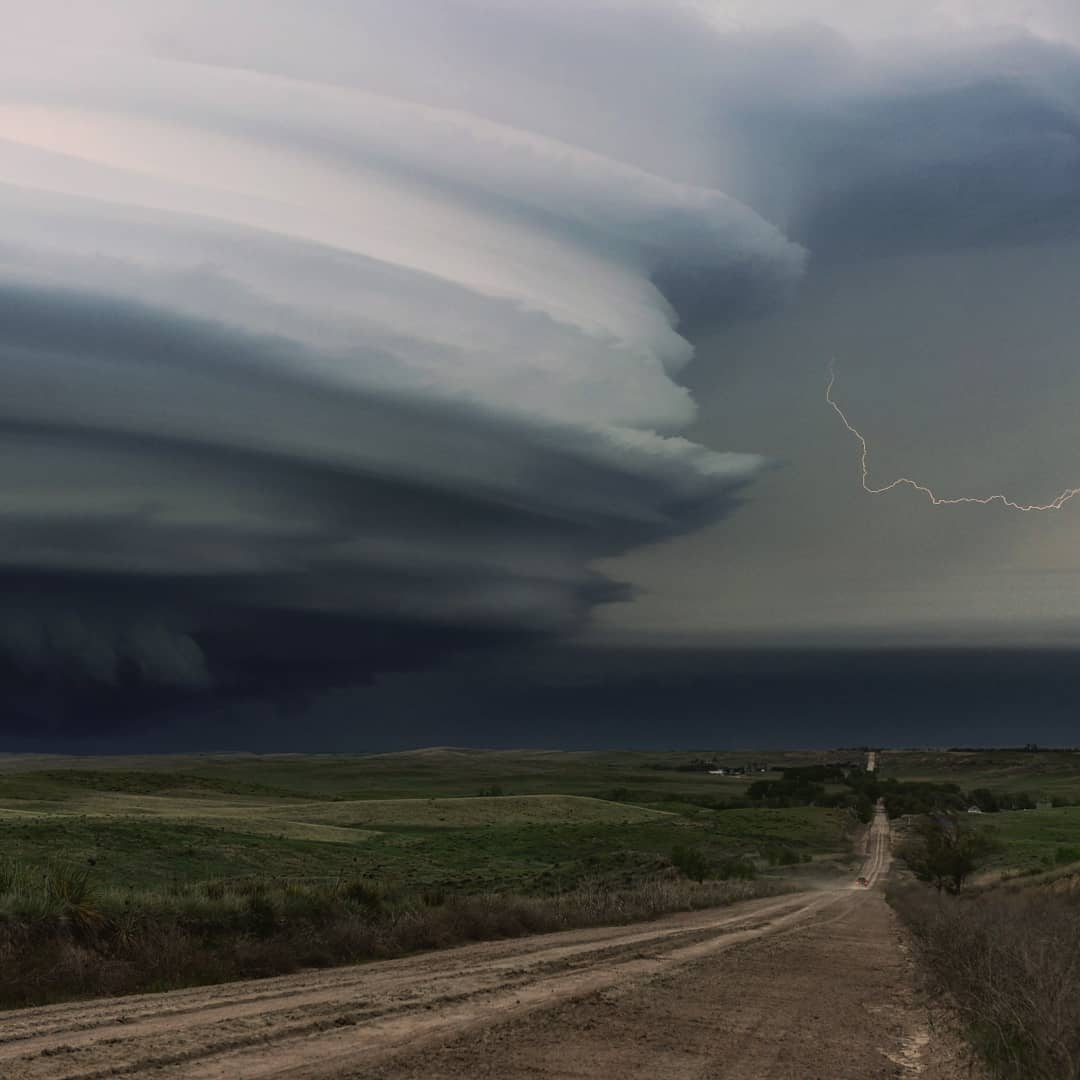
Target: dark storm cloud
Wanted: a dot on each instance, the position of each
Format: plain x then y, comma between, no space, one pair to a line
338,338
947,146
728,696
720,698
306,380
989,164
231,528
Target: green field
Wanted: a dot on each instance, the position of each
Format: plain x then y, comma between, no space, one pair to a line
1035,840
1029,840
1044,774
410,820
430,818
418,818
437,771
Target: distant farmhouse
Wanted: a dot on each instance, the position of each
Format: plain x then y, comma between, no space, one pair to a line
714,767
740,770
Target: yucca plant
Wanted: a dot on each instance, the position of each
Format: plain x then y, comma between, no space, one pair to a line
70,890
13,877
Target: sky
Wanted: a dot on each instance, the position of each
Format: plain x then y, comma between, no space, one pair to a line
379,374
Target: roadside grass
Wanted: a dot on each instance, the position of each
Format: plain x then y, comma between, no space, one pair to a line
1007,959
61,939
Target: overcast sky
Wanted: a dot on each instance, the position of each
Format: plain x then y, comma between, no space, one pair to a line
347,346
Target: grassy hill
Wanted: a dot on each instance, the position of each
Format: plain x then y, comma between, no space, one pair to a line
409,820
1045,774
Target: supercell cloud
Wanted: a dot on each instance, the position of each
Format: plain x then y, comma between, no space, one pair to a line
312,367
335,336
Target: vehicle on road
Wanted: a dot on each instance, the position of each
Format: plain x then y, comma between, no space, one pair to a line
863,882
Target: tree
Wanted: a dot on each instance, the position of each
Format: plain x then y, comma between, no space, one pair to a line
985,800
945,853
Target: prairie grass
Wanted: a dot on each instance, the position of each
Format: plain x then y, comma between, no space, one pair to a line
61,938
1008,960
133,874
148,852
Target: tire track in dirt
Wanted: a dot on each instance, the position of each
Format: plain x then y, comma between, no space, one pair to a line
830,998
80,1022
333,1023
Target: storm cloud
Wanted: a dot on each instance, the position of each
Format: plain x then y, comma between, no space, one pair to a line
337,337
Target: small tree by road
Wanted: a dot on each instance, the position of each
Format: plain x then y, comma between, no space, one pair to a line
944,852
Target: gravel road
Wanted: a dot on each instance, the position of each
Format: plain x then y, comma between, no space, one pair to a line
815,984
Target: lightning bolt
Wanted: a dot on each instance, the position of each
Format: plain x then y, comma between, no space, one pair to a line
904,481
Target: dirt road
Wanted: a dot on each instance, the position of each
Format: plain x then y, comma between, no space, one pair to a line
809,985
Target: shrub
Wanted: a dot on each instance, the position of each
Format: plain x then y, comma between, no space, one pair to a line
736,869
261,914
68,887
365,894
690,862
778,855
1009,961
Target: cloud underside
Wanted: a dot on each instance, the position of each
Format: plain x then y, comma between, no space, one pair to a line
187,513
335,338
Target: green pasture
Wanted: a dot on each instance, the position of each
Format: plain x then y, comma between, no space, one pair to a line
446,771
1036,839
1044,774
149,822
